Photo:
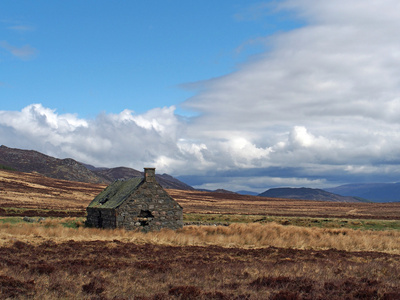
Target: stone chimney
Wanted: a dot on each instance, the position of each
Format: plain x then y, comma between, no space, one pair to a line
149,174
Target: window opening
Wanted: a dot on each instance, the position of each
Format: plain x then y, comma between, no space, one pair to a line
104,200
145,217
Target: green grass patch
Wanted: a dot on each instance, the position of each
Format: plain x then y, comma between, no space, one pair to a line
220,218
341,223
45,222
362,224
74,223
10,220
3,167
226,219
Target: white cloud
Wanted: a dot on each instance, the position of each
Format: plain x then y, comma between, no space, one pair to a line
326,94
114,139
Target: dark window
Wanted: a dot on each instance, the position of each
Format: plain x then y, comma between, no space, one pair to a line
145,217
104,200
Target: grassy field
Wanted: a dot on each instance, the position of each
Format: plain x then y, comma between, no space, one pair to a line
34,191
233,247
41,195
226,219
251,235
118,270
222,203
52,259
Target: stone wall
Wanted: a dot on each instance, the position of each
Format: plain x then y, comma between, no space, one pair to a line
149,208
101,217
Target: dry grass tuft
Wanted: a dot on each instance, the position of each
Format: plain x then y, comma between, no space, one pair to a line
236,235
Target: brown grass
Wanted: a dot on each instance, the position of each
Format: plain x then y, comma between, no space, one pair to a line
126,270
223,203
36,192
235,235
242,261
32,190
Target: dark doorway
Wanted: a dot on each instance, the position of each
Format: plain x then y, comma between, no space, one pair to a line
100,220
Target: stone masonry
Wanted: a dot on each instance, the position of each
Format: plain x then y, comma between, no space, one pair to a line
136,204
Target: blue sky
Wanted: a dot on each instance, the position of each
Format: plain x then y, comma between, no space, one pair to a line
88,57
241,95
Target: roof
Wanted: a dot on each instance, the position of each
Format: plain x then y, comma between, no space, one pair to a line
116,193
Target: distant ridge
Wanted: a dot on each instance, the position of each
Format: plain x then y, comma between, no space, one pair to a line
165,180
377,192
250,193
220,191
119,173
307,194
34,161
70,169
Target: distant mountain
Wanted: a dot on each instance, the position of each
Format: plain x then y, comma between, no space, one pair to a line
169,182
112,174
69,169
306,194
220,191
33,161
250,193
377,192
93,168
165,180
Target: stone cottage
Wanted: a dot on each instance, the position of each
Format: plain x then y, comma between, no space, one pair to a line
137,203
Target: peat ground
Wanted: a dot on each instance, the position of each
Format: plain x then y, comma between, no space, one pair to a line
118,270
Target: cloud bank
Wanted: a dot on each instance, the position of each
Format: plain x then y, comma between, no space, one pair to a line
320,107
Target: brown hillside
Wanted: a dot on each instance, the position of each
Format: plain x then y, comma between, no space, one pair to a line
69,169
33,161
34,191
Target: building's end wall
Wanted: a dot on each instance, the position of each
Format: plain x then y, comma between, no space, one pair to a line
100,218
150,208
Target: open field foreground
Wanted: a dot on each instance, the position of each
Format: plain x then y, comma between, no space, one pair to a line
48,261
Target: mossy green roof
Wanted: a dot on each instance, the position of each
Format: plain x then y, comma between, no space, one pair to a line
116,193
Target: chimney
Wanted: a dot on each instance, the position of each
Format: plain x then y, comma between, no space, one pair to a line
149,174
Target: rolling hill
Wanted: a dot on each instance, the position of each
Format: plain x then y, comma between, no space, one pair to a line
307,194
33,161
165,180
377,192
70,169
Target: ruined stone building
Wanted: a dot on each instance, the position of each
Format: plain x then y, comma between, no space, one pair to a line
137,203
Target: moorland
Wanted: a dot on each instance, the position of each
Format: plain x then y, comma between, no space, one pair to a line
232,247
